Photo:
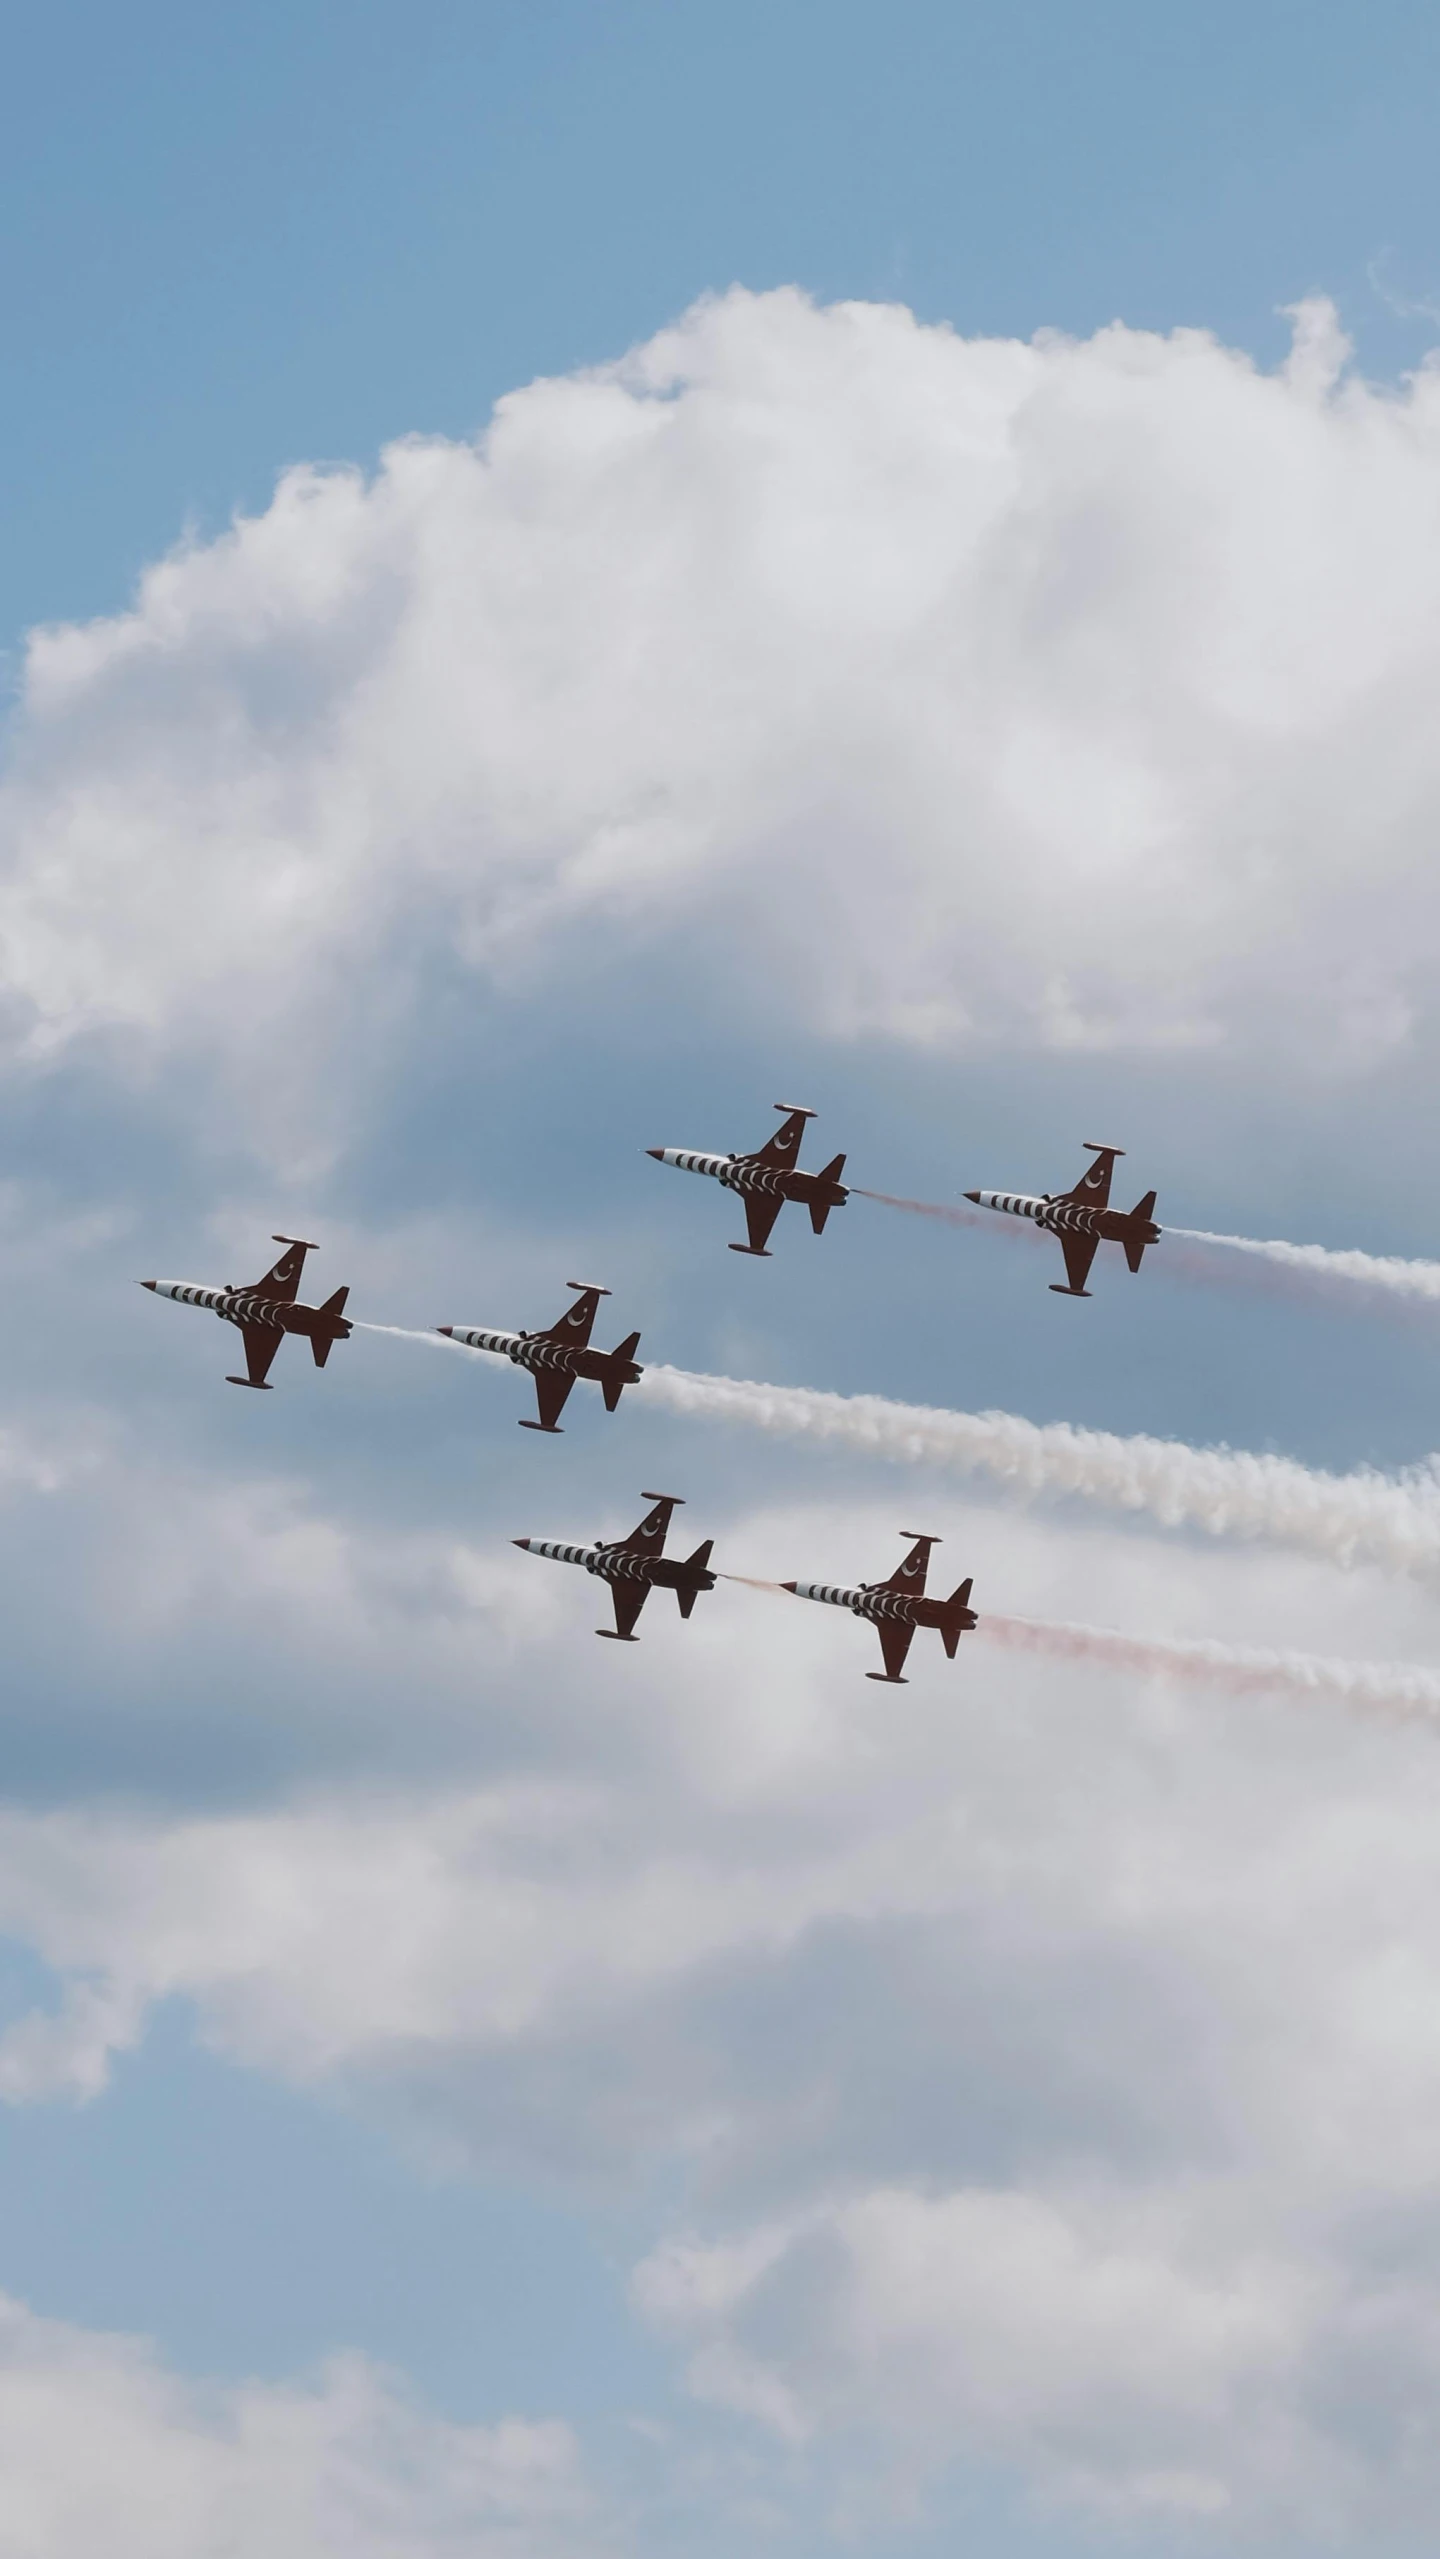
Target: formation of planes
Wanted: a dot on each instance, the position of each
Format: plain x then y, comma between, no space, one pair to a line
560,1354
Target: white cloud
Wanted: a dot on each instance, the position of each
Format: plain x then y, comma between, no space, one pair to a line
1054,2060
103,2448
1071,693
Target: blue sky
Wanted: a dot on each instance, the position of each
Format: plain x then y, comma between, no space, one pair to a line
817,2117
238,244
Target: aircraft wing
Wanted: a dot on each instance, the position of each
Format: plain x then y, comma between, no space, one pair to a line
1093,1186
760,1215
261,1345
910,1575
895,1642
577,1322
649,1537
784,1147
284,1279
629,1598
1079,1252
551,1393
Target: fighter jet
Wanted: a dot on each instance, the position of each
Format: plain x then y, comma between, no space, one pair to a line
768,1178
1083,1219
268,1310
558,1356
895,1608
636,1565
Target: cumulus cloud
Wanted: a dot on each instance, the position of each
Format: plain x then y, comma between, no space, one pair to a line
103,2448
1071,693
1043,2071
1043,2059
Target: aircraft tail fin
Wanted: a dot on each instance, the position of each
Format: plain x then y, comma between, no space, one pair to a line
337,1331
958,1616
701,1560
1142,1214
820,1209
613,1386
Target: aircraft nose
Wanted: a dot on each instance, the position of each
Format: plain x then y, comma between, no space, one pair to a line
448,1330
144,1283
521,1541
973,1195
789,1586
658,1152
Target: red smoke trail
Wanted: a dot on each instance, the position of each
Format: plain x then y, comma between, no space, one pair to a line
956,1213
1242,1670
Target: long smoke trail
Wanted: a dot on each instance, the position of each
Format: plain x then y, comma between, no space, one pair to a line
1363,1518
1241,1669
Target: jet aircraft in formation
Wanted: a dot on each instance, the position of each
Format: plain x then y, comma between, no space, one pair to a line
556,1357
895,1608
267,1311
768,1178
1083,1219
635,1565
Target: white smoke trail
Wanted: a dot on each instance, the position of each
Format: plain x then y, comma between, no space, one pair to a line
1362,1518
1347,1271
1403,1687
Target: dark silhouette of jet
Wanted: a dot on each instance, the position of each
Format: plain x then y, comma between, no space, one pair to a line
269,1310
768,1178
895,1608
1083,1219
635,1565
556,1357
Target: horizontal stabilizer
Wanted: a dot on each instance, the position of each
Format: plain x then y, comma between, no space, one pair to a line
260,1386
1057,1289
612,1636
